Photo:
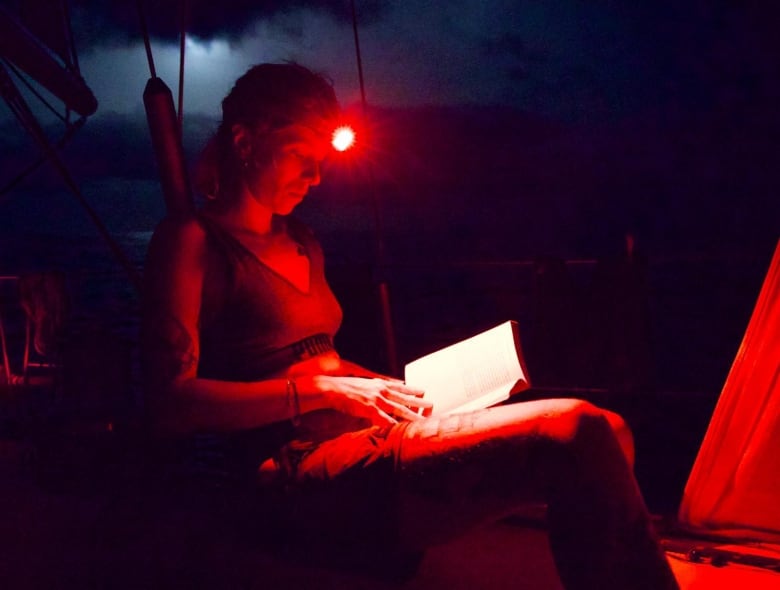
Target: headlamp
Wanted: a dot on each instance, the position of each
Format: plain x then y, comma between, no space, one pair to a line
343,138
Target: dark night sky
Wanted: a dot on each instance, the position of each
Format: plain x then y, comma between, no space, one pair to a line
566,58
587,117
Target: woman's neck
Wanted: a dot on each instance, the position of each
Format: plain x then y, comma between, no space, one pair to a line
245,214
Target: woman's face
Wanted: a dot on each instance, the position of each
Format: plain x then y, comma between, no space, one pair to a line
296,153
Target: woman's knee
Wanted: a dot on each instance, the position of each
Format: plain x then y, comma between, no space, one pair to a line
623,434
580,423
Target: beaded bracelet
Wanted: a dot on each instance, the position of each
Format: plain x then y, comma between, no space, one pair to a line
293,402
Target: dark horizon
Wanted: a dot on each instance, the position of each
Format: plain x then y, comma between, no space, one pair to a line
503,183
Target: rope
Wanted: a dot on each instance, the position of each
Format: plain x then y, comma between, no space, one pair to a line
364,103
383,293
74,57
358,57
71,62
147,41
69,133
32,89
25,116
182,39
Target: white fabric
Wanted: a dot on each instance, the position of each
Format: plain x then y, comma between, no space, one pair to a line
734,486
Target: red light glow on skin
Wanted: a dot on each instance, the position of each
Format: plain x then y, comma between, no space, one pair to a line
343,138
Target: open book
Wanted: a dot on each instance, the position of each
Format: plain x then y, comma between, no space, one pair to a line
474,373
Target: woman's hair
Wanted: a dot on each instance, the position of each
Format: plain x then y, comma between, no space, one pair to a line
266,98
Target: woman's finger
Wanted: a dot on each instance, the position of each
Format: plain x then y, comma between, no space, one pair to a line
404,388
398,410
382,418
409,401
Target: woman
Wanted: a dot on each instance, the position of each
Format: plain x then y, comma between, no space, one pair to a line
239,324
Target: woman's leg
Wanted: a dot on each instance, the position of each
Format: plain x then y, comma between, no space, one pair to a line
460,470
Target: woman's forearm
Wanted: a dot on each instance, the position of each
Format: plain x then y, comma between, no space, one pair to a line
196,404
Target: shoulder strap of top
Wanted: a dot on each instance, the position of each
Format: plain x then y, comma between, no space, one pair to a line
226,248
223,238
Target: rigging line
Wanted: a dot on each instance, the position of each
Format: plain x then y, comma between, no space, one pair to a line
391,354
182,39
73,55
364,104
358,57
13,98
30,123
74,58
32,89
147,41
69,133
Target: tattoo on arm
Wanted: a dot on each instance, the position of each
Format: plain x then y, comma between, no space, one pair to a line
169,349
181,352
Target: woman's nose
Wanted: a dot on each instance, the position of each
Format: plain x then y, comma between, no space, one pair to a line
311,172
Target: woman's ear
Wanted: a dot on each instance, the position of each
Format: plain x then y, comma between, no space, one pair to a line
242,141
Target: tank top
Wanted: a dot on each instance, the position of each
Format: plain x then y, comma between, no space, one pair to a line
253,321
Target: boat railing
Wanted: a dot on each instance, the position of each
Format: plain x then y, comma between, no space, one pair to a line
28,329
6,376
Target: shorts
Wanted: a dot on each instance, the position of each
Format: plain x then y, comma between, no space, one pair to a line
343,490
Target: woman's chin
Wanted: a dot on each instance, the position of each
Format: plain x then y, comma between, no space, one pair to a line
286,206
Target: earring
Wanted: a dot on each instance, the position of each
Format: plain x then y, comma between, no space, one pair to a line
245,155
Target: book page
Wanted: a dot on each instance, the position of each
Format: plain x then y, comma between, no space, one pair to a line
474,373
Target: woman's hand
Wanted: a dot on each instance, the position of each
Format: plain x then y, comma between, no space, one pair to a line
382,401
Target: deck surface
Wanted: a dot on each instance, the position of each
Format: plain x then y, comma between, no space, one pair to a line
79,539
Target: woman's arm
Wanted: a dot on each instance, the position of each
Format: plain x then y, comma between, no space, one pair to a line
180,401
207,404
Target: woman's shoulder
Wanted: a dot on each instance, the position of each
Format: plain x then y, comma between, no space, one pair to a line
177,236
188,230
189,227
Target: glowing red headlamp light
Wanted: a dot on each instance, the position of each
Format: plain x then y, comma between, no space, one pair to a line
343,138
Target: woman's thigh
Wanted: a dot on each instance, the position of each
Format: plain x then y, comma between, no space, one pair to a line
428,480
457,471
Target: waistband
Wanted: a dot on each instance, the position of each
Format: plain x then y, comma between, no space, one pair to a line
297,351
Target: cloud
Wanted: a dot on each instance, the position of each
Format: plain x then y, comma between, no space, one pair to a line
586,62
112,23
